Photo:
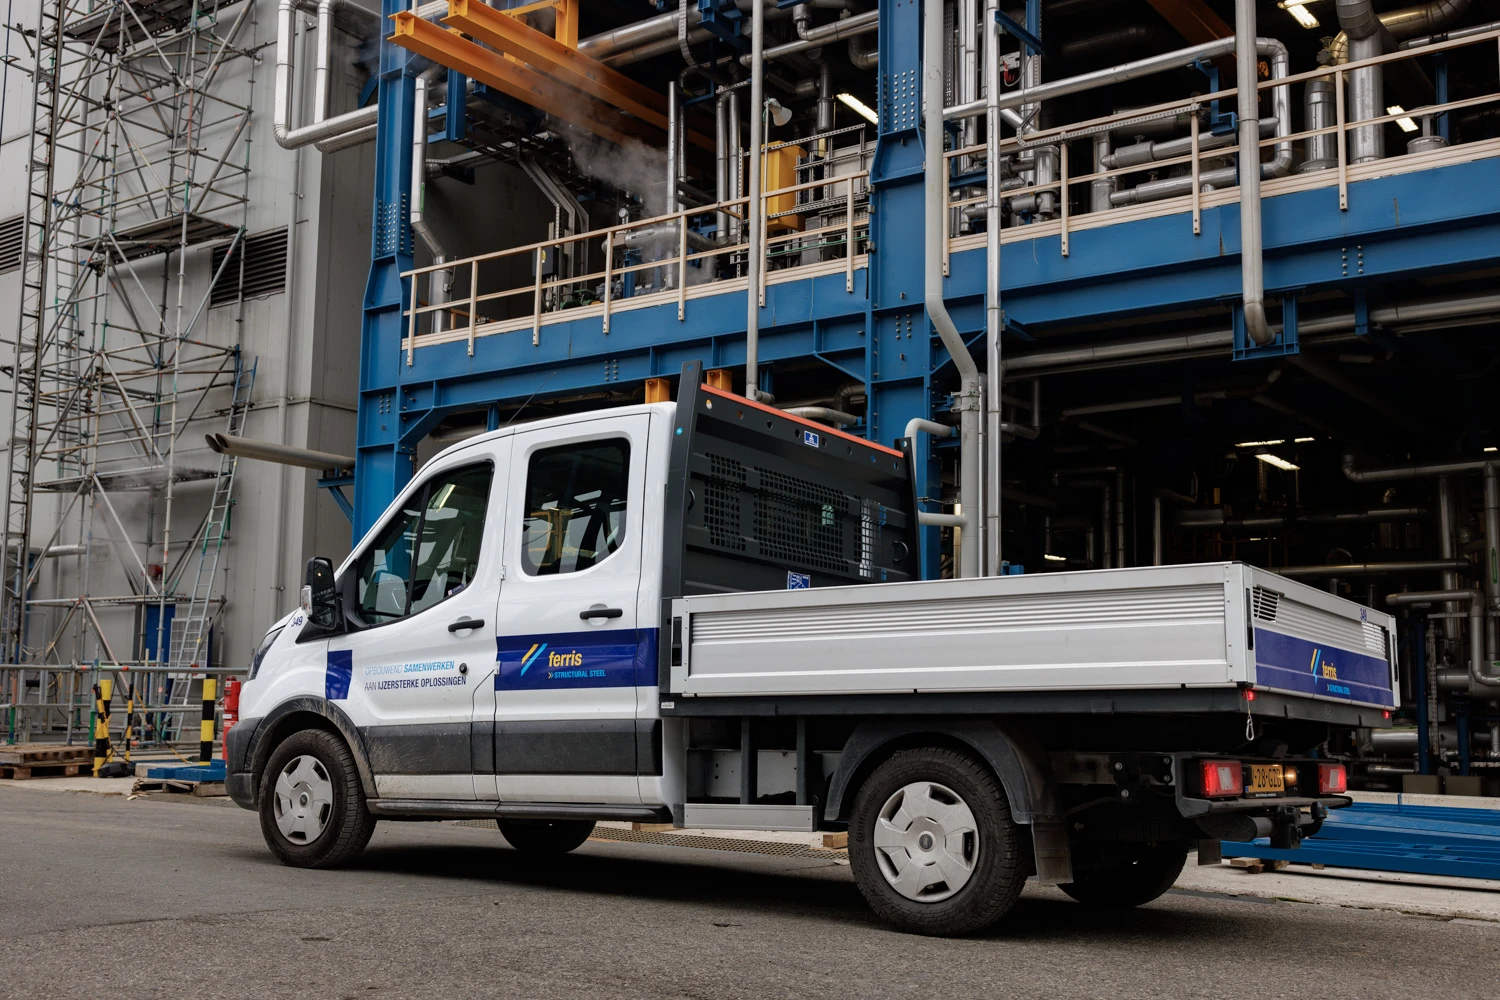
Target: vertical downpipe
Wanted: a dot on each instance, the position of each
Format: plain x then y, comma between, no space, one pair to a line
993,314
1252,275
756,250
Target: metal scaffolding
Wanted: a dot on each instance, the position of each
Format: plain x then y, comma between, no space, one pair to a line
139,156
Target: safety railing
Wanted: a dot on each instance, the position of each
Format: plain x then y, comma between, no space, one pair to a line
1064,220
677,253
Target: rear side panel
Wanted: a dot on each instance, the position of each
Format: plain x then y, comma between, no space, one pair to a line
1150,627
1309,642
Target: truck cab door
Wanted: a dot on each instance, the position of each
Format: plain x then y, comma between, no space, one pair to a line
571,652
422,625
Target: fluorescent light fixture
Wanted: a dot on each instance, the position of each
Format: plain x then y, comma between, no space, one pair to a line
1302,15
1261,444
860,108
1051,558
1407,125
1302,440
1492,449
1279,462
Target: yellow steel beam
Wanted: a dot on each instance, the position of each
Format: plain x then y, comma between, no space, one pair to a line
548,55
449,48
567,22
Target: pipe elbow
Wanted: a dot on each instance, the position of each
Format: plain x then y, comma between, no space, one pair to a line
1357,18
1256,324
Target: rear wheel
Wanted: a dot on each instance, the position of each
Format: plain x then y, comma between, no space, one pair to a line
546,836
1148,872
312,808
932,844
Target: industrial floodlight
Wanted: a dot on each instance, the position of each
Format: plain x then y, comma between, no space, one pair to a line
775,113
860,108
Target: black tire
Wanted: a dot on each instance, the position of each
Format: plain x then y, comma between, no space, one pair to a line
1133,881
998,871
546,836
345,822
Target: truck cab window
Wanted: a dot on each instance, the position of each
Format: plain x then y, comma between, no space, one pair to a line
575,506
429,551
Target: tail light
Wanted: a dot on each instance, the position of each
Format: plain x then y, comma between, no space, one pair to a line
1222,779
1332,779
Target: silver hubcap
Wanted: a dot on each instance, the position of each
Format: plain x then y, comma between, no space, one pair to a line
304,799
926,842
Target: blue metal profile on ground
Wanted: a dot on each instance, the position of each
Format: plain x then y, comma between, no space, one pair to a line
1396,837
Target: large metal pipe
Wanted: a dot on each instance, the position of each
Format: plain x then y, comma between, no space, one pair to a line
1448,36
1252,262
1391,315
1480,681
1414,470
323,127
282,454
439,283
1403,24
1319,110
1279,165
968,399
1491,568
967,64
755,254
1364,35
993,316
833,31
1371,569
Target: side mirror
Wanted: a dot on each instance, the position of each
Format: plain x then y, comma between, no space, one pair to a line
319,594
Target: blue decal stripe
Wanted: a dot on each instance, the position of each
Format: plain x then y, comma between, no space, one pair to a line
592,659
1331,671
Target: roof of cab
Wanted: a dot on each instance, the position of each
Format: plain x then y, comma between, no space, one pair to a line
561,421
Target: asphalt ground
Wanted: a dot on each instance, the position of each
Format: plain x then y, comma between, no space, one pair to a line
108,897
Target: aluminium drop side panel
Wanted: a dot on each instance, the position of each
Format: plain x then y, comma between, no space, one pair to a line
1311,643
1157,627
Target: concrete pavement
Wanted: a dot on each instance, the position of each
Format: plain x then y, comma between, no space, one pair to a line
107,896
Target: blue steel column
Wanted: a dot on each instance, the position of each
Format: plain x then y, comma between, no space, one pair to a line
382,463
899,351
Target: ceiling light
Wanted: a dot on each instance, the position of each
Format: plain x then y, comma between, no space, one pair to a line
1302,440
1261,444
1051,558
1302,15
1407,125
860,108
1279,462
1492,449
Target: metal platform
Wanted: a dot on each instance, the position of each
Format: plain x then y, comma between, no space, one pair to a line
1404,834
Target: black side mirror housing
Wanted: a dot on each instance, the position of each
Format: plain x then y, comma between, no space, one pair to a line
320,596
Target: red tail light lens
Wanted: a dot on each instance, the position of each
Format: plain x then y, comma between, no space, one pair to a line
1222,779
1332,779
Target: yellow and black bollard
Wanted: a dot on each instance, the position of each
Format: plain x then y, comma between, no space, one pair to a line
206,727
102,693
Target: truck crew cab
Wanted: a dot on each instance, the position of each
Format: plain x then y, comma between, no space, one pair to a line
706,613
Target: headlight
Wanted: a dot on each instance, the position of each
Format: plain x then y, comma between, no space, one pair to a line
263,648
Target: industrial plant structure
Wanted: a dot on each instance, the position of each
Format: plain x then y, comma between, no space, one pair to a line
261,258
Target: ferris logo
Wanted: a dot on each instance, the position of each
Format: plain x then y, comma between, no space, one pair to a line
573,659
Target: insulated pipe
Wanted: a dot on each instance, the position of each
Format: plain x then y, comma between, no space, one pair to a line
862,56
1100,190
755,253
967,64
1448,36
1426,470
282,454
967,401
918,425
323,127
721,163
1319,111
826,414
1147,152
663,234
1479,680
1363,32
674,102
994,317
1404,23
1491,568
439,283
1120,559
736,174
1372,569
1445,539
833,31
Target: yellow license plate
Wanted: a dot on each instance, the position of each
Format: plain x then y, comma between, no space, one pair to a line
1266,779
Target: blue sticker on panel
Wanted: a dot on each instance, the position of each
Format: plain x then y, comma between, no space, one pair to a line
798,581
1292,664
336,679
811,439
620,658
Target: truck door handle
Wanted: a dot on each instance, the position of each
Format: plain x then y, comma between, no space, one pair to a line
465,624
601,613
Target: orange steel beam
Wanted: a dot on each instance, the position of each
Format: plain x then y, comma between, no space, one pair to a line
1194,20
547,55
448,48
567,22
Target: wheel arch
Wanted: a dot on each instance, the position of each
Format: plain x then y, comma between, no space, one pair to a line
307,712
1017,759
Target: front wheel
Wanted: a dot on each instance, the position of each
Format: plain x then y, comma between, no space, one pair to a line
932,844
546,836
1132,881
312,808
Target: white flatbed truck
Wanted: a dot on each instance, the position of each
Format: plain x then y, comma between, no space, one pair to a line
704,613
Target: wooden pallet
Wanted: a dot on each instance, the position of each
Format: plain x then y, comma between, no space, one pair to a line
202,789
19,773
31,754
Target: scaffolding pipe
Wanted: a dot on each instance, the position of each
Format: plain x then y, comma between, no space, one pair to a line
967,401
994,317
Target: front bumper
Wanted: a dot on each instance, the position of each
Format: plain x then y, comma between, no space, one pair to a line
239,779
